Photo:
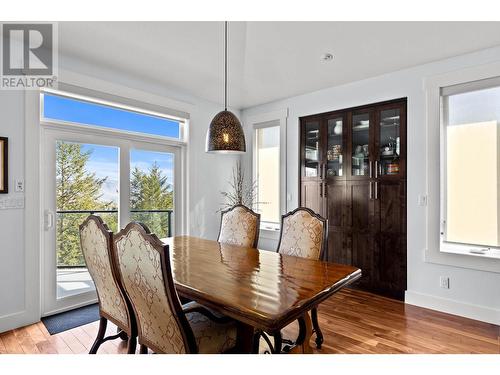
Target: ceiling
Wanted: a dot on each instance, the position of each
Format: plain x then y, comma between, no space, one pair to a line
267,60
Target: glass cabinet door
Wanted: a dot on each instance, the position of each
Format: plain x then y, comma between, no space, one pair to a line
360,144
334,147
389,142
312,155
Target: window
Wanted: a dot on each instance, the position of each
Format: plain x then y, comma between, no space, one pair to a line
470,169
83,112
99,158
267,171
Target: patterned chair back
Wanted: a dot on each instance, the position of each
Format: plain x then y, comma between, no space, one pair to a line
144,266
239,226
303,234
96,242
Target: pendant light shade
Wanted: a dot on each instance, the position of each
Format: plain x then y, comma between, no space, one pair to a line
225,134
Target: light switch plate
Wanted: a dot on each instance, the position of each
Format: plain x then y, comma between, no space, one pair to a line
19,186
422,200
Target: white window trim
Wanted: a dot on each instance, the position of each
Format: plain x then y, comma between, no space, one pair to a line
436,250
261,121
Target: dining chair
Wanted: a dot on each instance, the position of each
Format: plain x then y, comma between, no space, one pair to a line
305,234
164,325
239,226
96,242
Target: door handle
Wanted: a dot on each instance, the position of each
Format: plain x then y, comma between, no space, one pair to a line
320,167
321,190
370,168
376,168
370,190
376,189
49,219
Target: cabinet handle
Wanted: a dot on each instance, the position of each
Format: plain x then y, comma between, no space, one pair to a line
376,189
321,190
376,168
320,167
370,190
370,168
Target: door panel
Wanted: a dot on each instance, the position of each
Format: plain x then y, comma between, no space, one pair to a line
336,196
310,196
390,243
359,219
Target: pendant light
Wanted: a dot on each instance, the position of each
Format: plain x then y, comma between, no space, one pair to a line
225,134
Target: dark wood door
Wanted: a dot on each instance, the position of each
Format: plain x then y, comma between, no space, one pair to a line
338,251
389,256
359,228
312,196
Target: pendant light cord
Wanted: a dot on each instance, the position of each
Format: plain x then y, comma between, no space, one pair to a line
225,65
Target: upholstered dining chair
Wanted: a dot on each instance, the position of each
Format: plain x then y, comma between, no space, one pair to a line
96,243
239,226
305,234
164,325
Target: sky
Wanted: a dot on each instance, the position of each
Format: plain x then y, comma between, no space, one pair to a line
104,160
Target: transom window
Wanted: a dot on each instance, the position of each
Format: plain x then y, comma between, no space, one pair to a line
87,112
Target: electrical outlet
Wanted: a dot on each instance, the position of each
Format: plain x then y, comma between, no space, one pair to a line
19,186
444,282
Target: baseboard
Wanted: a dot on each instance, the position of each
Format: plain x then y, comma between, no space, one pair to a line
481,313
16,320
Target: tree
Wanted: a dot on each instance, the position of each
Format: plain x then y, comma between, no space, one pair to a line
77,189
151,191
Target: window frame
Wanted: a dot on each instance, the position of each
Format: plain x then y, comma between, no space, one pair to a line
445,245
266,120
162,113
127,141
431,199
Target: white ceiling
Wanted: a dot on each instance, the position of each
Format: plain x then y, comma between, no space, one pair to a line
267,60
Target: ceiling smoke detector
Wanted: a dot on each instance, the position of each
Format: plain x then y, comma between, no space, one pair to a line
327,57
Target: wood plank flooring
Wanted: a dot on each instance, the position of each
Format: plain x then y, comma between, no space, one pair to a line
352,322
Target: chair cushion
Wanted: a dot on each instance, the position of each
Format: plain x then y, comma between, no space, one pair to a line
239,227
94,247
302,235
211,337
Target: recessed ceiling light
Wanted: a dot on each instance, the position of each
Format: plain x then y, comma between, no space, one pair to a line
327,57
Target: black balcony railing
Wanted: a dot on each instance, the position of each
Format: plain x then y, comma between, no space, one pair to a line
164,231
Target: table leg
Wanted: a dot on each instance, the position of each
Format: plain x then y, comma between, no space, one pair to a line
244,338
302,346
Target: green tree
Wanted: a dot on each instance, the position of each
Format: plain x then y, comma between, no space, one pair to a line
151,191
77,189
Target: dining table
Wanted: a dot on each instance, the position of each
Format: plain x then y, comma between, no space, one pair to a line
262,290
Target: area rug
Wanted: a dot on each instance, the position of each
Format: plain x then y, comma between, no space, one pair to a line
71,319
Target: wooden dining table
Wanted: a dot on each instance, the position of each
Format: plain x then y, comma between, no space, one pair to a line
262,290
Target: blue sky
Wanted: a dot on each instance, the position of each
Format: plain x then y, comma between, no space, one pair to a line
66,109
104,160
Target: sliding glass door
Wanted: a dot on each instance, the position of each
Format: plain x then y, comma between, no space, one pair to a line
118,179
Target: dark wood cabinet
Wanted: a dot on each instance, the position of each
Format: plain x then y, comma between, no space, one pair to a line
353,172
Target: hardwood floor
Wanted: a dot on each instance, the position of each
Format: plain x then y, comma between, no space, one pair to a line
352,322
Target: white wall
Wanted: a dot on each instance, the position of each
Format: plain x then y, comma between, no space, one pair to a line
472,293
208,174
